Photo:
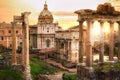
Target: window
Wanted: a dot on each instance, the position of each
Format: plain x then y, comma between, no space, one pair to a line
10,45
9,31
47,29
62,45
48,43
2,38
17,32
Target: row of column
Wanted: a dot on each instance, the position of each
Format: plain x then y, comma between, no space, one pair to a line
89,43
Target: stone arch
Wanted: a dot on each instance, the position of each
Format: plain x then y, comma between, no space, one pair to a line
62,45
48,43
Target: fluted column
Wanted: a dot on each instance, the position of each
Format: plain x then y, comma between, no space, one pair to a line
89,56
80,42
101,55
14,61
118,40
111,41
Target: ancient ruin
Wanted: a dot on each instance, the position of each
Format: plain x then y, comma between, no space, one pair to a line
105,12
25,43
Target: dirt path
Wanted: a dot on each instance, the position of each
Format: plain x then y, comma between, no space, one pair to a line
58,76
60,66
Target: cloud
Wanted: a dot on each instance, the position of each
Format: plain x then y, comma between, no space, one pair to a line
63,13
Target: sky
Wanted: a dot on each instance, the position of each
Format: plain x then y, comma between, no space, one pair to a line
62,10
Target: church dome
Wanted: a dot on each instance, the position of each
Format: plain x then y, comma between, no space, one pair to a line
45,16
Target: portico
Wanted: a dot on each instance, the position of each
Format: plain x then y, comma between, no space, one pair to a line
104,13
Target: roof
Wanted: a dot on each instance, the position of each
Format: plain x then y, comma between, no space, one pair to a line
102,9
4,24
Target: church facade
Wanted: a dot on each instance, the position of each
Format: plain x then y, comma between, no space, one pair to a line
42,35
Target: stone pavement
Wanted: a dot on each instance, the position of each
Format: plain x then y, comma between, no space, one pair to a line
57,76
73,70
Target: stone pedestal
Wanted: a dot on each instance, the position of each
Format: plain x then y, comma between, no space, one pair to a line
85,73
27,73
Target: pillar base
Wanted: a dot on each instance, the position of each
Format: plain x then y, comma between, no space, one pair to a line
27,73
85,73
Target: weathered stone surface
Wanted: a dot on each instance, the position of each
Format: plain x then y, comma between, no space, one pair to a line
105,8
86,73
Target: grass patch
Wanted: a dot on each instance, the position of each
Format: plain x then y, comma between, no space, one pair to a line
41,67
8,74
70,77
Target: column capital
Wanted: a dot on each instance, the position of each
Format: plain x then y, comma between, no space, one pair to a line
81,21
92,22
100,21
118,22
25,14
111,22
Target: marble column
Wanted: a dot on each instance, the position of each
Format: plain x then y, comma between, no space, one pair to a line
118,40
80,56
111,41
14,60
23,43
101,54
89,55
26,45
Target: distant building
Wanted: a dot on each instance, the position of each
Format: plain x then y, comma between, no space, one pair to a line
67,43
6,34
42,35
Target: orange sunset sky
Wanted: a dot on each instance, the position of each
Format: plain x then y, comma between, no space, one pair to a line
62,10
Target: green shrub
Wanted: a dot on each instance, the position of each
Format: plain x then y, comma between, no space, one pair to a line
8,74
107,67
70,77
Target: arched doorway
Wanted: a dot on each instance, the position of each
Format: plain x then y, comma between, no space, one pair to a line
47,43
